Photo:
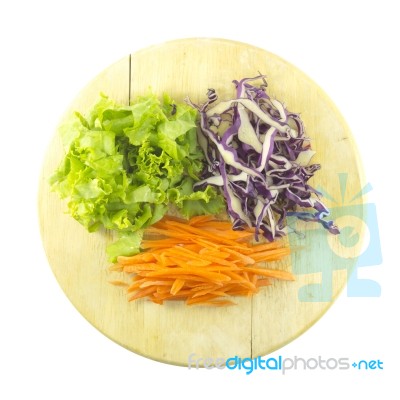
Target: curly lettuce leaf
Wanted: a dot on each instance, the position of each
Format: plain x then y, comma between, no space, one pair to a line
128,244
125,165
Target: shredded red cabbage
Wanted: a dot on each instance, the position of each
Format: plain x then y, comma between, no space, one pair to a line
259,156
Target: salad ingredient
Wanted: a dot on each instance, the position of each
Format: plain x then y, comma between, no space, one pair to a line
125,165
202,261
126,244
258,156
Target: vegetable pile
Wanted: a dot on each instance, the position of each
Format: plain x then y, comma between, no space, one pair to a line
126,165
202,261
258,155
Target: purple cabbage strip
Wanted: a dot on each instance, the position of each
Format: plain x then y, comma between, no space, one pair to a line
256,160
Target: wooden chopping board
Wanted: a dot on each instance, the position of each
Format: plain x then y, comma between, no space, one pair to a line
170,333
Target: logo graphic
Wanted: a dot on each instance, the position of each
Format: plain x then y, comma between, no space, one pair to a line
356,247
280,363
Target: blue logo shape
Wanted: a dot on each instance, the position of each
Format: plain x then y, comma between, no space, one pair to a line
357,246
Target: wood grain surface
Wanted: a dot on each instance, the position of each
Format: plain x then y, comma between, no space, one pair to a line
171,332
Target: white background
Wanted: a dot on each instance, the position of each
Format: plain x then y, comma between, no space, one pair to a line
49,51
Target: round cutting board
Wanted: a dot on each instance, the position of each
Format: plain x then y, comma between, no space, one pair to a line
276,315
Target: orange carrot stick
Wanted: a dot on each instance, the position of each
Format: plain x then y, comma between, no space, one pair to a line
201,261
177,286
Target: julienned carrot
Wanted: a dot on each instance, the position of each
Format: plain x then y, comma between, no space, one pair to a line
119,283
202,261
177,286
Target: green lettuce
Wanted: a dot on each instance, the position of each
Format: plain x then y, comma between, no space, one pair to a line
124,166
128,244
